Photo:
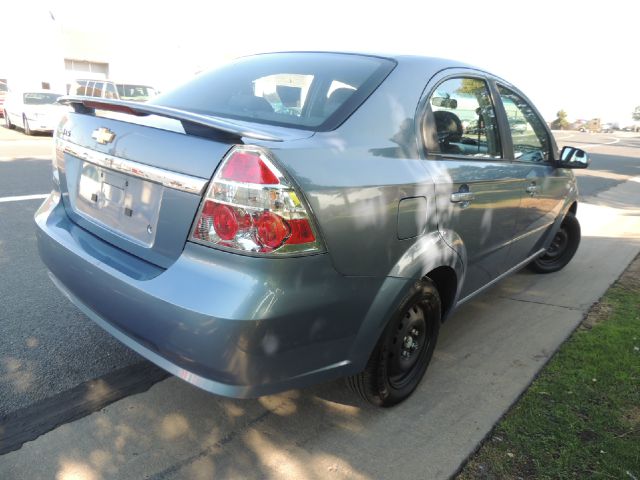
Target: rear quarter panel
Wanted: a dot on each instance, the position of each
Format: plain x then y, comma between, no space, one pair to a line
355,176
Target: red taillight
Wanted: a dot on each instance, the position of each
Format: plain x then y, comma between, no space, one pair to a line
271,229
301,231
225,222
248,167
251,207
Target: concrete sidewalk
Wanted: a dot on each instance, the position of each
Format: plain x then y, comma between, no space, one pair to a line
488,353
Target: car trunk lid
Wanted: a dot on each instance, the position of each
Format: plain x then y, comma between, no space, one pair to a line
137,184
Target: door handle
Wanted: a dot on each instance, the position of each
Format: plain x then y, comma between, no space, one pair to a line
458,197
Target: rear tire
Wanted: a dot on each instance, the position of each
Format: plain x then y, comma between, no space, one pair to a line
7,121
404,350
25,125
562,249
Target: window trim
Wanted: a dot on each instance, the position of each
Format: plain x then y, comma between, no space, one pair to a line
553,149
427,128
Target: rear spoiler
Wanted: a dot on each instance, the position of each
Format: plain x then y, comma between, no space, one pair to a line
90,105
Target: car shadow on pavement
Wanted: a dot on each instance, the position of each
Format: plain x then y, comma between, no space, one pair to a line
488,353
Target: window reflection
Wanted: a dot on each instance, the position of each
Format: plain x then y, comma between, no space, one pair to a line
465,118
530,140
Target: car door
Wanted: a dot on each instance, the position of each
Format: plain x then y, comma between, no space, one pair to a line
543,186
477,195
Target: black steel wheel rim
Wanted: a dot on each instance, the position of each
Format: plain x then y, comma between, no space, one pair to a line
410,343
557,248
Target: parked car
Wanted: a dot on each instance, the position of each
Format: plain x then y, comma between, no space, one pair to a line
33,111
249,251
113,90
3,93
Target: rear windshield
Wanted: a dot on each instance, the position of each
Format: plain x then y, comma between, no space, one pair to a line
311,91
40,98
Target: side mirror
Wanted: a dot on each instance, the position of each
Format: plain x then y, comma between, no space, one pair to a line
572,157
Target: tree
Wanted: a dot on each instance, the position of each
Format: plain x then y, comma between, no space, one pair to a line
636,113
471,86
561,122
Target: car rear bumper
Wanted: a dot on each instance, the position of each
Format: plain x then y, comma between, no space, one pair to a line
233,325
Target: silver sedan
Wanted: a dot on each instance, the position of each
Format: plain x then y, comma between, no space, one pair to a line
292,218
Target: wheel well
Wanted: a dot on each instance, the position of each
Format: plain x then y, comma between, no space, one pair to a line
574,208
446,281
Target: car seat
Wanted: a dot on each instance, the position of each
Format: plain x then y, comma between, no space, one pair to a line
449,129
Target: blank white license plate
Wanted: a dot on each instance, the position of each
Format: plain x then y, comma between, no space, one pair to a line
128,206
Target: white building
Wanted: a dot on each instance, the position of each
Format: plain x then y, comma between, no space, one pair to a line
52,56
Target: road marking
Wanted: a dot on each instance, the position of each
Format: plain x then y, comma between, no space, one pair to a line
23,197
594,145
564,138
30,157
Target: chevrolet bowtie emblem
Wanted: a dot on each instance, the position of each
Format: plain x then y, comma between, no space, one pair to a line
103,135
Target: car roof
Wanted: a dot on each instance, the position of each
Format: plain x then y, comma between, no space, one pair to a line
400,58
425,62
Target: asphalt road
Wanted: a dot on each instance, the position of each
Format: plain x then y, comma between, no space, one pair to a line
48,347
614,159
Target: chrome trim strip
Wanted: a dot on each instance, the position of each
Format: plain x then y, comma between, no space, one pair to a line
174,180
497,279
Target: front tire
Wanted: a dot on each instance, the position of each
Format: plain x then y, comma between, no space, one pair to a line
25,125
404,350
562,249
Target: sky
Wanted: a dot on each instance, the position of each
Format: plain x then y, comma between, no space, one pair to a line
580,56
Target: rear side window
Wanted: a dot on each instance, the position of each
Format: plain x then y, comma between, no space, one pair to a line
530,140
465,118
97,89
312,91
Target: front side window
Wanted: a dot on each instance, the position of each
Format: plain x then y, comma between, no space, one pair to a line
311,91
465,118
530,139
110,91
